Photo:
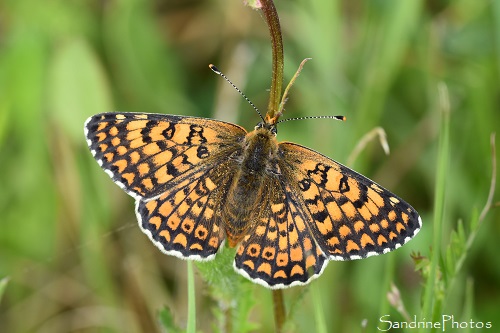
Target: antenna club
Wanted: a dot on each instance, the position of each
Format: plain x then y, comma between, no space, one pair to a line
214,69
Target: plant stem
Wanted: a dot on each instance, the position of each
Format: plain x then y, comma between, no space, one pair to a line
319,315
279,310
273,22
191,320
272,115
431,303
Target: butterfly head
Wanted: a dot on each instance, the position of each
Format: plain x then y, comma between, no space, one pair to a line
271,127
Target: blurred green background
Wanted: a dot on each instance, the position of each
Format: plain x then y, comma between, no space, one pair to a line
69,244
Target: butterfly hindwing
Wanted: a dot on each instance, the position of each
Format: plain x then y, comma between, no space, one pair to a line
280,251
185,221
147,153
351,217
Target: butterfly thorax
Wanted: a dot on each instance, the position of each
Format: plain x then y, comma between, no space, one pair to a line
256,163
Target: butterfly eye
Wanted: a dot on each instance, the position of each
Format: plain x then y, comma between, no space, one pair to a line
259,125
270,127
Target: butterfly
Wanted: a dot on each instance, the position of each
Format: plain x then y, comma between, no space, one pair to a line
289,210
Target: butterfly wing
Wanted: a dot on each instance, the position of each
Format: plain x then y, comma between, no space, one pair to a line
145,154
178,170
349,216
280,251
185,221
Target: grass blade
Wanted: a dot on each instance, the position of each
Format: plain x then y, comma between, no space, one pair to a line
429,303
319,316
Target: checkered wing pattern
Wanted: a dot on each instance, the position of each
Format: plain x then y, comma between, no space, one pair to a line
185,221
281,250
289,209
178,170
349,215
146,154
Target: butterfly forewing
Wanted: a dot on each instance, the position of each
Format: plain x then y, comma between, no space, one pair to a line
145,154
350,216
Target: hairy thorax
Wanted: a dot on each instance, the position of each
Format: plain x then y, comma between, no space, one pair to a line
257,162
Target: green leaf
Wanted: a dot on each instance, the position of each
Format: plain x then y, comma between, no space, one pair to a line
233,293
167,321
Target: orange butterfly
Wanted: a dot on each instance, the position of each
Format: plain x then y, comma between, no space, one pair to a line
288,209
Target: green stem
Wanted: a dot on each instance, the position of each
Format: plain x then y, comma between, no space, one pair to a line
191,320
319,315
273,22
279,310
431,302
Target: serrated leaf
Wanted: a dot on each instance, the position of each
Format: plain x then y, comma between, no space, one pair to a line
233,292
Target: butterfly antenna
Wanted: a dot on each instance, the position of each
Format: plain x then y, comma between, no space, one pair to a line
341,118
217,71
